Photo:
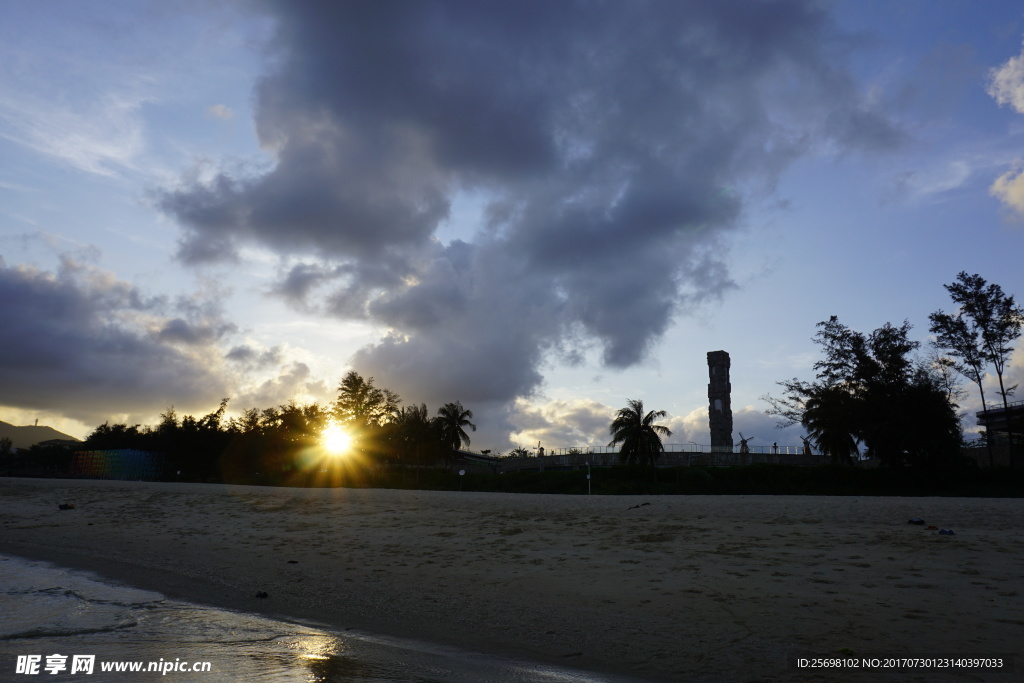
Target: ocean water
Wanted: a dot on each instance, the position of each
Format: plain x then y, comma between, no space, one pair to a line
50,615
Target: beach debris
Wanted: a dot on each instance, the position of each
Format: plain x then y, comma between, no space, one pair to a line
633,507
946,532
916,520
932,528
262,594
293,561
66,506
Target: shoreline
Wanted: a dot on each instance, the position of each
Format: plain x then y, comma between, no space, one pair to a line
660,588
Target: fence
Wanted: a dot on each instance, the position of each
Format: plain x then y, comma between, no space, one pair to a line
674,448
610,457
992,407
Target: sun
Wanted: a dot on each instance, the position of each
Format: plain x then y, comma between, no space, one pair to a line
335,439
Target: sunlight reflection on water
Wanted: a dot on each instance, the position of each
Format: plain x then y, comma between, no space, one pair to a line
46,610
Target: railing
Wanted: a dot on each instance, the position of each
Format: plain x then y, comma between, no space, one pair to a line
993,407
675,455
668,459
669,448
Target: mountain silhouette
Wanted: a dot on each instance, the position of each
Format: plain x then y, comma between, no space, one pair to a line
25,437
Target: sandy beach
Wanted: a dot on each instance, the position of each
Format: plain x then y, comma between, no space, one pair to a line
714,588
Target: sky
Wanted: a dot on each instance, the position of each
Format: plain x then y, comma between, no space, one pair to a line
538,209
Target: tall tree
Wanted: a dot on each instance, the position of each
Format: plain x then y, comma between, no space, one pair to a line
943,369
360,404
830,417
934,436
980,334
417,437
868,389
451,421
636,431
248,423
211,422
301,424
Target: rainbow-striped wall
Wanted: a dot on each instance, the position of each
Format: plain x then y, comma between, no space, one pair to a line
126,464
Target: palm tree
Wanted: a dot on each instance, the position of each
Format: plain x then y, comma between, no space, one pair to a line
451,418
639,436
415,434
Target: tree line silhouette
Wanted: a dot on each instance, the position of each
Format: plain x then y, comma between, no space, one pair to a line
871,394
870,391
283,444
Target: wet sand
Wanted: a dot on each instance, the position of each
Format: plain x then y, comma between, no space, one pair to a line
714,588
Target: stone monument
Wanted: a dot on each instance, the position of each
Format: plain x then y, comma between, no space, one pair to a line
719,402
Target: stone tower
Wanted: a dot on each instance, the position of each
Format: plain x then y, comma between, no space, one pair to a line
719,403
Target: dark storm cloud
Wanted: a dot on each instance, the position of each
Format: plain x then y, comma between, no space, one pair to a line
479,333
86,344
193,333
301,280
613,143
255,358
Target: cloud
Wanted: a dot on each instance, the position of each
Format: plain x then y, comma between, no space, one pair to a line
220,111
104,136
1006,83
1014,375
1009,189
293,382
474,328
249,356
1006,86
561,424
753,422
194,334
762,429
80,342
613,148
584,423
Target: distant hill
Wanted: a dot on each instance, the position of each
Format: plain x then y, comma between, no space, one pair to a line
25,437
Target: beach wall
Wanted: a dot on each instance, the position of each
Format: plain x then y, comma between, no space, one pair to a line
123,464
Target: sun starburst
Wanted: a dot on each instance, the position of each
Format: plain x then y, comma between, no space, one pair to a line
335,439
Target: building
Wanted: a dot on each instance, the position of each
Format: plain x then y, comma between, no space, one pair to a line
998,422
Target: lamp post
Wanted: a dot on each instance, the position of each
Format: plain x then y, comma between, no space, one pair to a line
588,478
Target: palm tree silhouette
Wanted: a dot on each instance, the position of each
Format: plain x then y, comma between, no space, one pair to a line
639,436
451,418
415,434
